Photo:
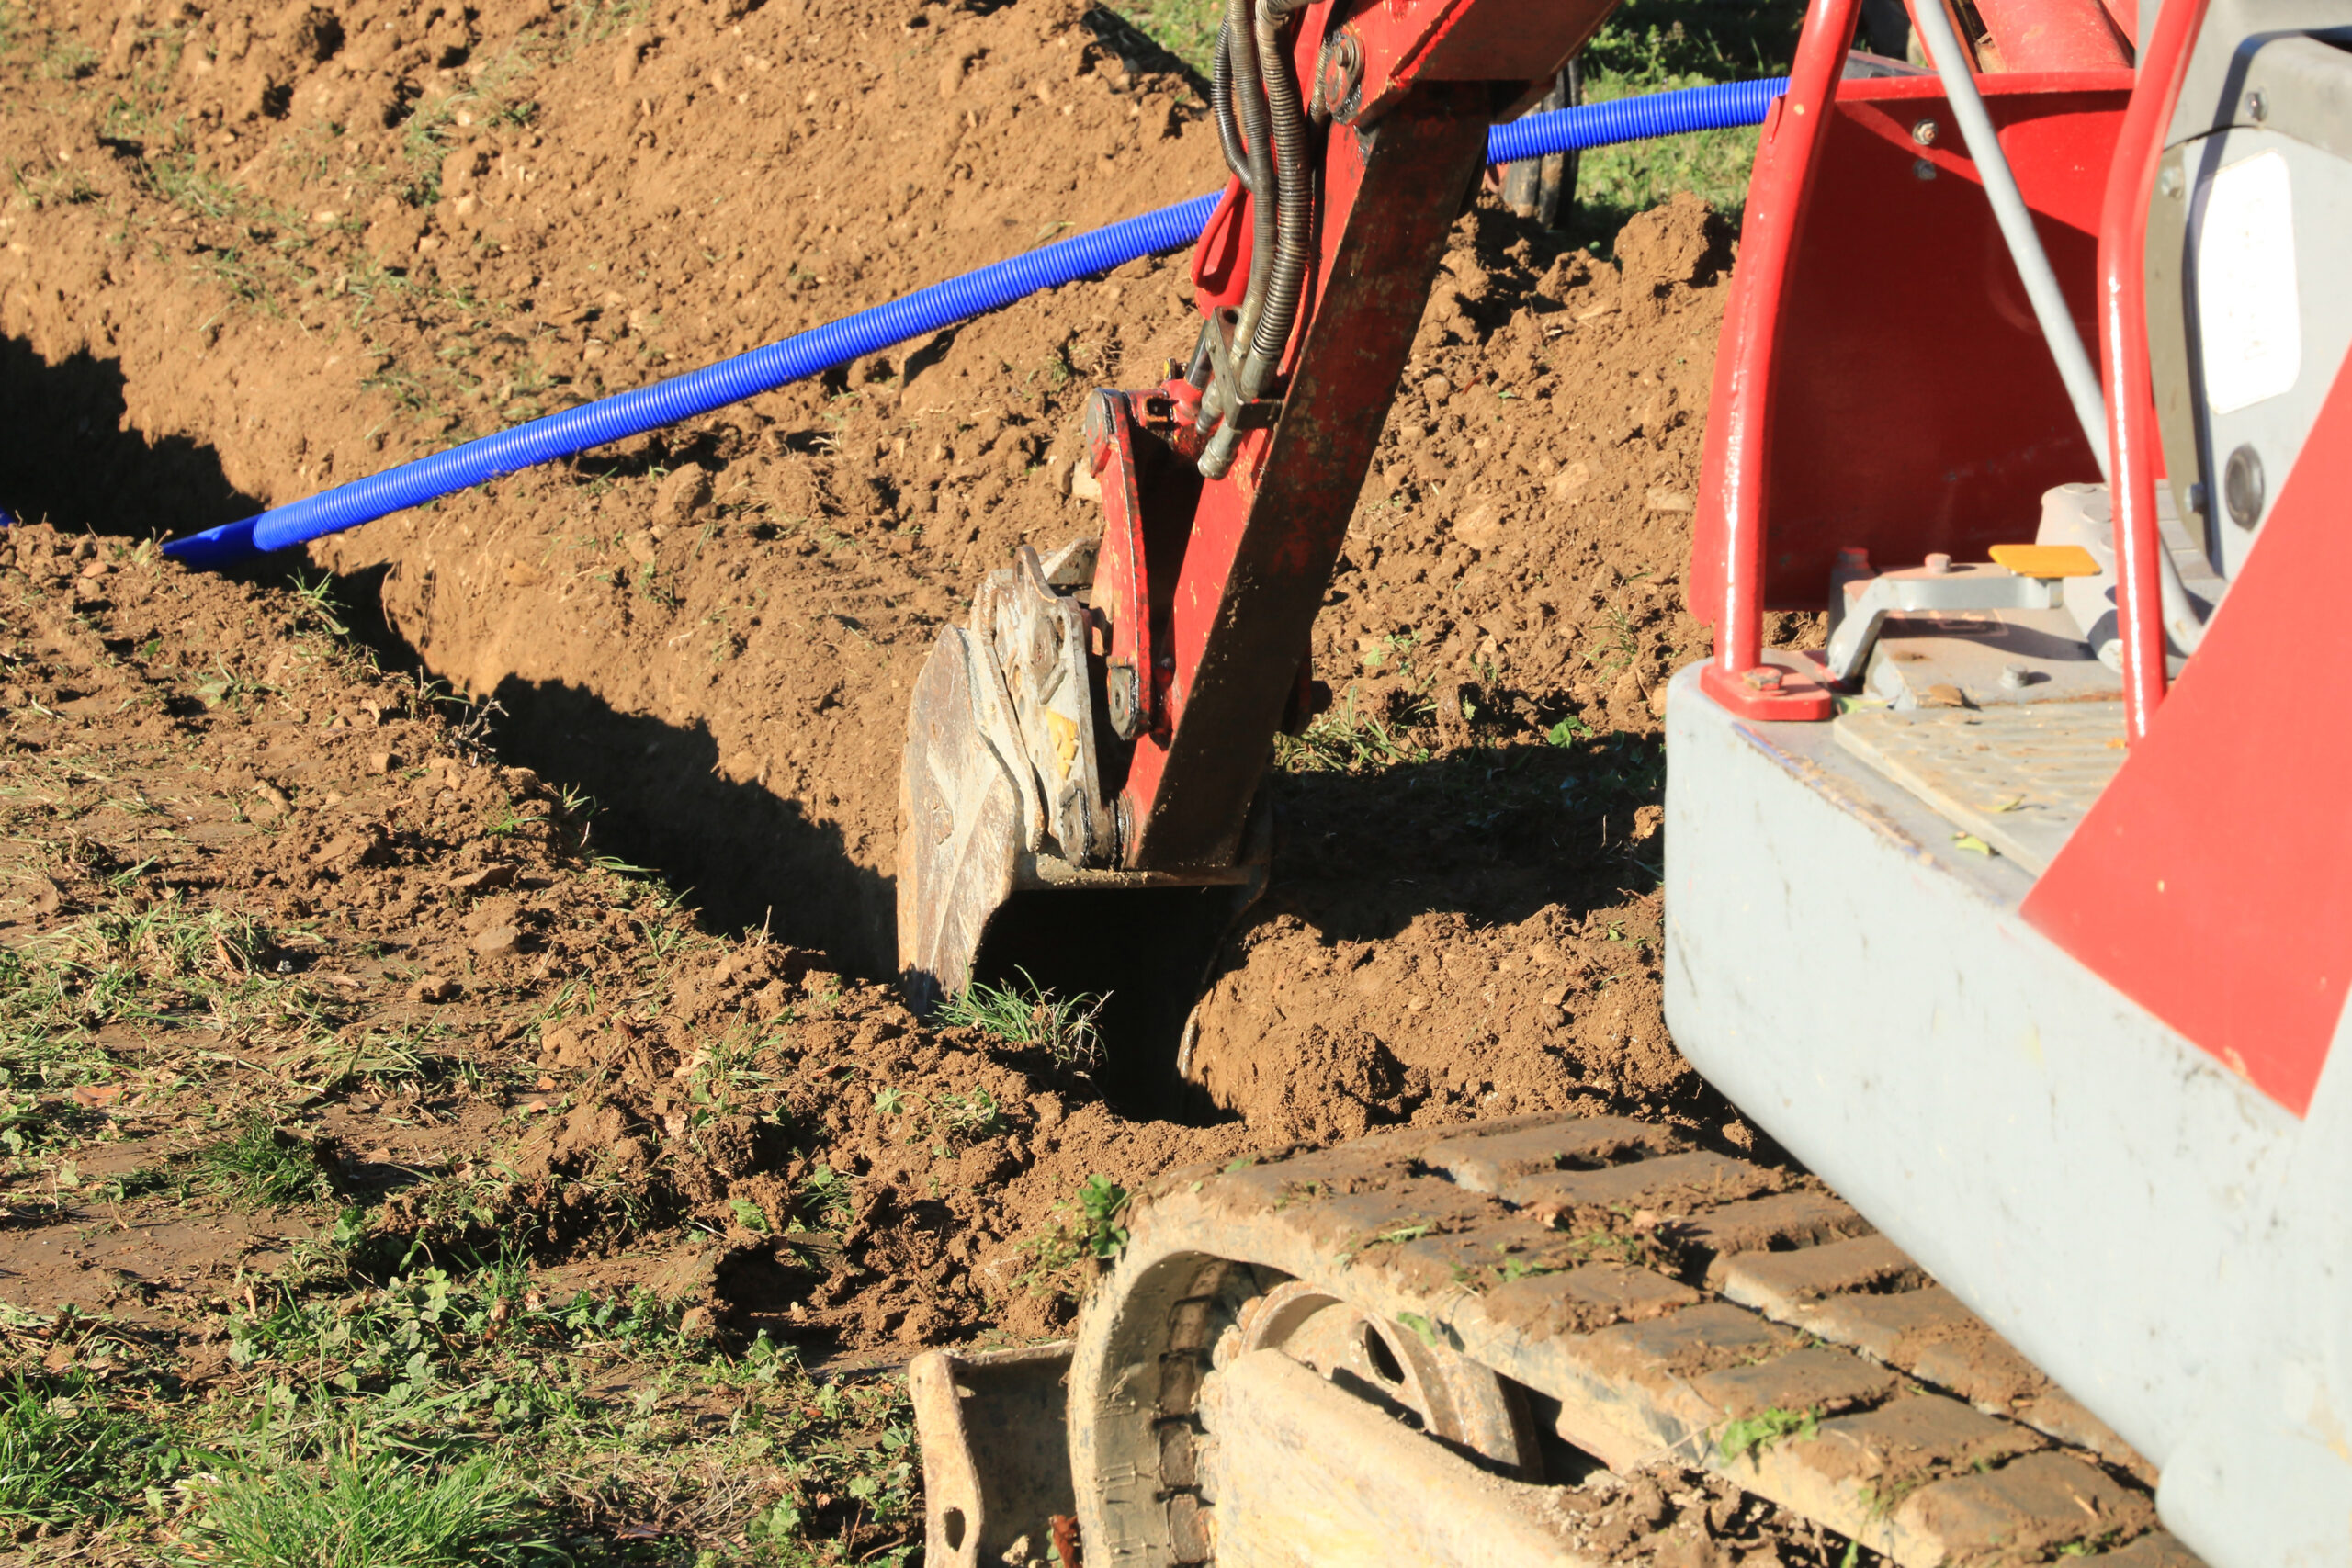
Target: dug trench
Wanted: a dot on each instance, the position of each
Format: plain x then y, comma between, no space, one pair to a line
258,251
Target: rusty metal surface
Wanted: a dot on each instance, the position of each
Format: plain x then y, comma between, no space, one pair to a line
995,1468
962,817
1263,539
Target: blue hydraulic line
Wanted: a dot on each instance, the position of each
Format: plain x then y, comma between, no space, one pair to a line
919,314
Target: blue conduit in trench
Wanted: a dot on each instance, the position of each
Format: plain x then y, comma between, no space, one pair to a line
919,314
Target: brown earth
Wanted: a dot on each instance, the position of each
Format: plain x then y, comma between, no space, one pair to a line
257,889
444,222
249,251
379,940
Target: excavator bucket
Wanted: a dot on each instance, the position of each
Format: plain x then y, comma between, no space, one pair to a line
1008,856
961,822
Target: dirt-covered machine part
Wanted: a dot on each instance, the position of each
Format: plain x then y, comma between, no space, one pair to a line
1425,1347
1992,948
2021,913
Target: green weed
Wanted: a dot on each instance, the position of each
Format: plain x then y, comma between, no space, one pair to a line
1754,1434
263,1164
967,1117
64,1457
317,603
1344,742
379,1510
1030,1015
68,59
1569,731
1102,1203
58,187
828,1190
593,21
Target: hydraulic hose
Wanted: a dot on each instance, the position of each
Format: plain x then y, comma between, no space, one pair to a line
1228,135
915,315
1246,99
1294,223
1252,139
1268,335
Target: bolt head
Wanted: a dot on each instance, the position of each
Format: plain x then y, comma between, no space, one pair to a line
1922,170
2258,108
2242,486
1939,563
2016,677
1924,134
1763,677
2169,181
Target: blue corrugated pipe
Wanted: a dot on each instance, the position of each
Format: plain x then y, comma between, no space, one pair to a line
919,314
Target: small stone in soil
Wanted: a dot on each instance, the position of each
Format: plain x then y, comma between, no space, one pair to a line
499,942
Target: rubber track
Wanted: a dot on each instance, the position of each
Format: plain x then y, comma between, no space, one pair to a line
1671,1299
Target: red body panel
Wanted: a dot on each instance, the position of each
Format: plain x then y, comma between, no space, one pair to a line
1221,259
2053,34
1459,40
2212,883
1911,406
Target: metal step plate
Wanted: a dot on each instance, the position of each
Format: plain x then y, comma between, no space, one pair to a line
2019,776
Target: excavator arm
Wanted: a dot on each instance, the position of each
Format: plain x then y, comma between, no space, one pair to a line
1084,754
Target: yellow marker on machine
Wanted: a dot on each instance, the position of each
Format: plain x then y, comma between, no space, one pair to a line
2046,560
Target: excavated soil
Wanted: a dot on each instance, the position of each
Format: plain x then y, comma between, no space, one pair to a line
252,251
248,874
433,222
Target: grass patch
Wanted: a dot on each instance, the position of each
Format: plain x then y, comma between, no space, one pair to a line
1345,741
66,1458
379,1510
449,1416
265,1166
1031,1016
1185,28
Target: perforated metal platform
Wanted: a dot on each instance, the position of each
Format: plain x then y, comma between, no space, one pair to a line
2019,776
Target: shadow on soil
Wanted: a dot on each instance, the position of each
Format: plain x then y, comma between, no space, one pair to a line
1494,833
747,857
742,856
67,458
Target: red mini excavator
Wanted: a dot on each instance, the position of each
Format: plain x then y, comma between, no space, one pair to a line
2021,912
